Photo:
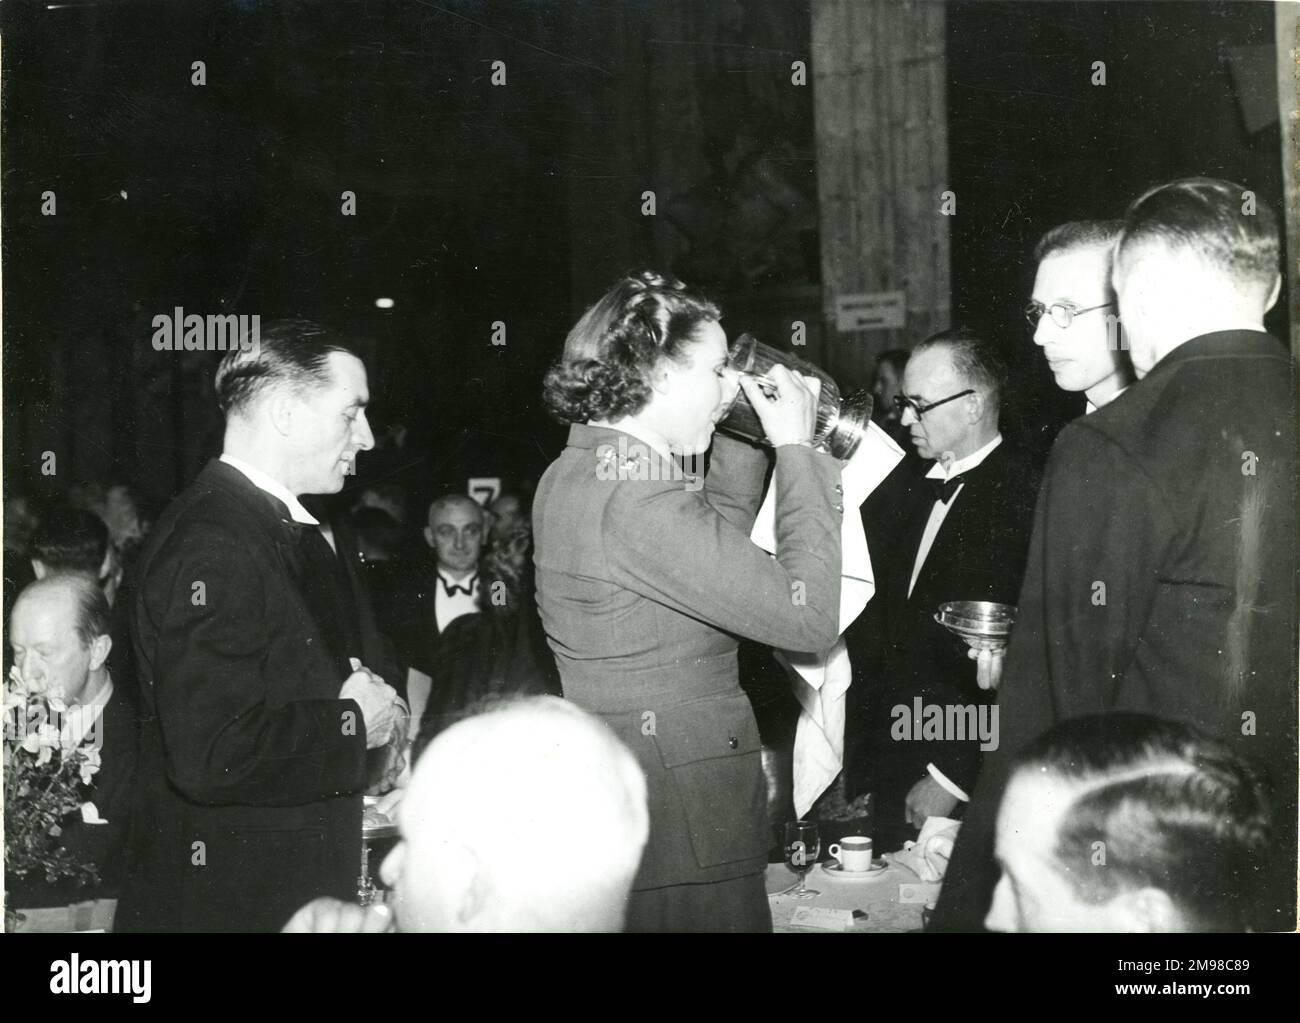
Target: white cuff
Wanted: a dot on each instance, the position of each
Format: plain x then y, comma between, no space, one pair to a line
948,785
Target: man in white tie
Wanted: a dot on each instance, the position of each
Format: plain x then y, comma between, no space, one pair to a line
953,527
1074,313
456,529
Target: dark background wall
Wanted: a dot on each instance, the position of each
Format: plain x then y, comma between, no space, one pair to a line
475,203
519,203
1190,89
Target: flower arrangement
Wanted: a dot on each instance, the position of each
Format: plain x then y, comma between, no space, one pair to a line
46,766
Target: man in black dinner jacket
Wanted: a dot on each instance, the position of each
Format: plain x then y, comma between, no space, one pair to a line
1161,575
951,526
256,713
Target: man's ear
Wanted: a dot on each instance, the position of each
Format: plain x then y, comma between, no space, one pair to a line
1273,295
99,649
428,536
474,891
280,411
1150,910
978,406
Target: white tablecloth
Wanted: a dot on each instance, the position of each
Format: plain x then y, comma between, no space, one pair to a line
878,896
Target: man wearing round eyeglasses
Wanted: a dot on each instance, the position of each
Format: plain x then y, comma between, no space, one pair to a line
1162,569
1074,313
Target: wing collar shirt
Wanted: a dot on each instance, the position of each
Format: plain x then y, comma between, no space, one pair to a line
81,719
1089,408
449,605
273,487
940,510
938,513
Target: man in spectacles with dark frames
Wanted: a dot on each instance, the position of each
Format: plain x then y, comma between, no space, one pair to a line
1074,313
953,527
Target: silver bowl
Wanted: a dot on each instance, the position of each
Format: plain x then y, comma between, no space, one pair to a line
983,624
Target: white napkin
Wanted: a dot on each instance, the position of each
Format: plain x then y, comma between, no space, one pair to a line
820,681
928,856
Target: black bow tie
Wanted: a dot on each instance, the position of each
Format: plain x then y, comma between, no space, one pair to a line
944,489
452,588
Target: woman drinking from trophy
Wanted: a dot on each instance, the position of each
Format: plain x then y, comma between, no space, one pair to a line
646,577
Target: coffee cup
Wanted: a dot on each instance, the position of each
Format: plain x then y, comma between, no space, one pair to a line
852,853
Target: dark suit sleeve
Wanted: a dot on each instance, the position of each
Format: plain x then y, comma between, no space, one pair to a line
225,743
670,545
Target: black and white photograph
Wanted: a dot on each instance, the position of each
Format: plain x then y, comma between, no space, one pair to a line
653,466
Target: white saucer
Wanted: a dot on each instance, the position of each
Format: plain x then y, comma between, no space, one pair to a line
833,869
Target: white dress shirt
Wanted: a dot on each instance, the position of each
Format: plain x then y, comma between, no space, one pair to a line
82,723
1089,408
940,510
273,487
938,513
82,719
447,607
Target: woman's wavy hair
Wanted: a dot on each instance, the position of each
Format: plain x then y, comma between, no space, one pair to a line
508,561
604,371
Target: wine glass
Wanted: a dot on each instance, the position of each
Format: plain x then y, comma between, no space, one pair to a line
803,844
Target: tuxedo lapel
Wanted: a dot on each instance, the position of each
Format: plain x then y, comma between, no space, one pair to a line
910,516
272,515
968,524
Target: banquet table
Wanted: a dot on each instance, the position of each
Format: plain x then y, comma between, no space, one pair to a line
892,899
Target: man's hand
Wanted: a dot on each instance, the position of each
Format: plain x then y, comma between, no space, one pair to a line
381,709
928,798
330,916
385,766
988,672
388,804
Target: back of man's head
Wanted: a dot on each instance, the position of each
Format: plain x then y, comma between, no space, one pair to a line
1220,223
290,354
1171,809
70,540
1198,256
530,816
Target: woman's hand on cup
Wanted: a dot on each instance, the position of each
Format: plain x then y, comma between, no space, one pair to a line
789,412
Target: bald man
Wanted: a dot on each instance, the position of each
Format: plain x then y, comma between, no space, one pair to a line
447,589
529,817
455,533
59,633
